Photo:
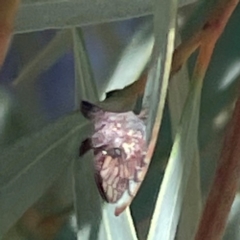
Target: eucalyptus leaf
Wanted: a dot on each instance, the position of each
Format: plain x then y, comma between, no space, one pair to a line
184,151
117,228
191,209
6,107
104,224
29,166
133,59
85,87
155,94
177,95
157,83
232,230
72,13
111,227
87,201
46,58
94,220
15,120
192,203
125,99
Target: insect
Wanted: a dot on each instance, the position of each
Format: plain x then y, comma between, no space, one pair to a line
119,146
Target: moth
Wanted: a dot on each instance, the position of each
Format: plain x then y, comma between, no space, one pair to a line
119,147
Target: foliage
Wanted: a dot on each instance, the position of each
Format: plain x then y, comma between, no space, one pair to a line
42,178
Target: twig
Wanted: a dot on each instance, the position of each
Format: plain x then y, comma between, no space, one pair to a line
218,205
212,28
225,184
8,9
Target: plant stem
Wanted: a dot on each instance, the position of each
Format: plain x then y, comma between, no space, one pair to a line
220,199
225,184
184,51
8,9
211,29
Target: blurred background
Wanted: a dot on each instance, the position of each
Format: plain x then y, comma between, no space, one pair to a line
39,99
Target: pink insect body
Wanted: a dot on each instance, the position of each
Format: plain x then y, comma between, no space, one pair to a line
119,144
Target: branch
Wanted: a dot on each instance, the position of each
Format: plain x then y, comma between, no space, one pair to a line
8,9
220,199
225,185
211,29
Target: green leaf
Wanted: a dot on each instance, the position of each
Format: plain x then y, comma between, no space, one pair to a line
94,220
30,166
6,108
46,58
87,200
85,87
111,227
184,151
117,228
157,83
72,13
132,61
191,209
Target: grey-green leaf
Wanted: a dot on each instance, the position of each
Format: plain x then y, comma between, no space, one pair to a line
117,228
72,13
157,83
184,151
85,87
132,61
111,227
45,58
87,200
28,167
191,209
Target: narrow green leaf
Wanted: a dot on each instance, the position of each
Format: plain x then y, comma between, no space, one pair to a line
132,61
191,209
87,200
110,227
85,87
72,13
157,83
232,229
46,58
117,228
169,202
177,95
6,106
192,203
28,167
94,220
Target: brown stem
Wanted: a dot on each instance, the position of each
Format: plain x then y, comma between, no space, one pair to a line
203,60
8,9
225,184
218,205
184,51
212,28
